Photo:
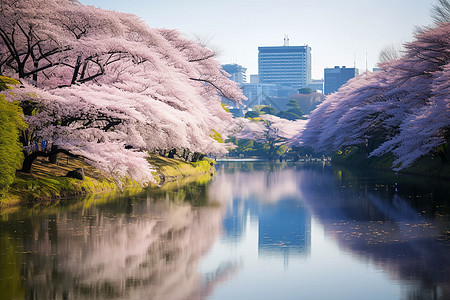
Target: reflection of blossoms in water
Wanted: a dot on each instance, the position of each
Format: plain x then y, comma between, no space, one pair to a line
369,218
295,221
378,225
151,253
262,185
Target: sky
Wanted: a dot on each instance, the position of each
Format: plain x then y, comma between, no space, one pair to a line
339,32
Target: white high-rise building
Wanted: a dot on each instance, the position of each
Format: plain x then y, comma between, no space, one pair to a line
285,65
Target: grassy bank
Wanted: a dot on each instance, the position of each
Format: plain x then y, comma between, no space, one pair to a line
169,169
48,183
428,165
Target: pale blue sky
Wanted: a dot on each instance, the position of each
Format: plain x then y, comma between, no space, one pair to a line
337,30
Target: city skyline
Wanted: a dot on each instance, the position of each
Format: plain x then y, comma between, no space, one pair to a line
339,33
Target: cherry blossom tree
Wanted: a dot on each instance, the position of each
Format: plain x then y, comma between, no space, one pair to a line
270,129
103,85
28,37
427,130
402,109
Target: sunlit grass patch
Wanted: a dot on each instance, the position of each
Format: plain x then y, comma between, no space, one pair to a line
47,182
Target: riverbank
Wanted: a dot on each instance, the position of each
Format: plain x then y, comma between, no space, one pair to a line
431,166
47,183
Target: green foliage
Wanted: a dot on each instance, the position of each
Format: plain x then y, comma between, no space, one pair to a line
428,165
244,146
225,107
269,110
282,149
293,104
293,113
288,115
215,135
269,149
297,112
6,82
251,114
359,157
11,122
305,91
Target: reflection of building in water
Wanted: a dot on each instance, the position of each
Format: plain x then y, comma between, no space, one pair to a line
285,228
271,200
235,221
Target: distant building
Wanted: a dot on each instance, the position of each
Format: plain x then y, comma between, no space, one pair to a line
336,77
285,65
316,84
254,78
237,72
257,92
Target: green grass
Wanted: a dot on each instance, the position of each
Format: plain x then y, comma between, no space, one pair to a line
47,183
169,169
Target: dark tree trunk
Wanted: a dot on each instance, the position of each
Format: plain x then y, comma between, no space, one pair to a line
76,70
28,162
443,154
30,158
186,154
35,75
54,157
172,153
197,156
272,151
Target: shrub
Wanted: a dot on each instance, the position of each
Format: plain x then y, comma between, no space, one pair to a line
11,122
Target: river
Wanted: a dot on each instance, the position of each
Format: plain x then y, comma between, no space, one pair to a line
256,230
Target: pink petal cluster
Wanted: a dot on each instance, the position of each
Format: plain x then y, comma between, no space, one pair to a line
106,86
403,109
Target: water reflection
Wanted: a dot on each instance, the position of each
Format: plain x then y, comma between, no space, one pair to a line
143,248
390,223
284,229
399,226
271,198
256,231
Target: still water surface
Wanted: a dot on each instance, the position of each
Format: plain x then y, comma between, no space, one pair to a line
255,231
